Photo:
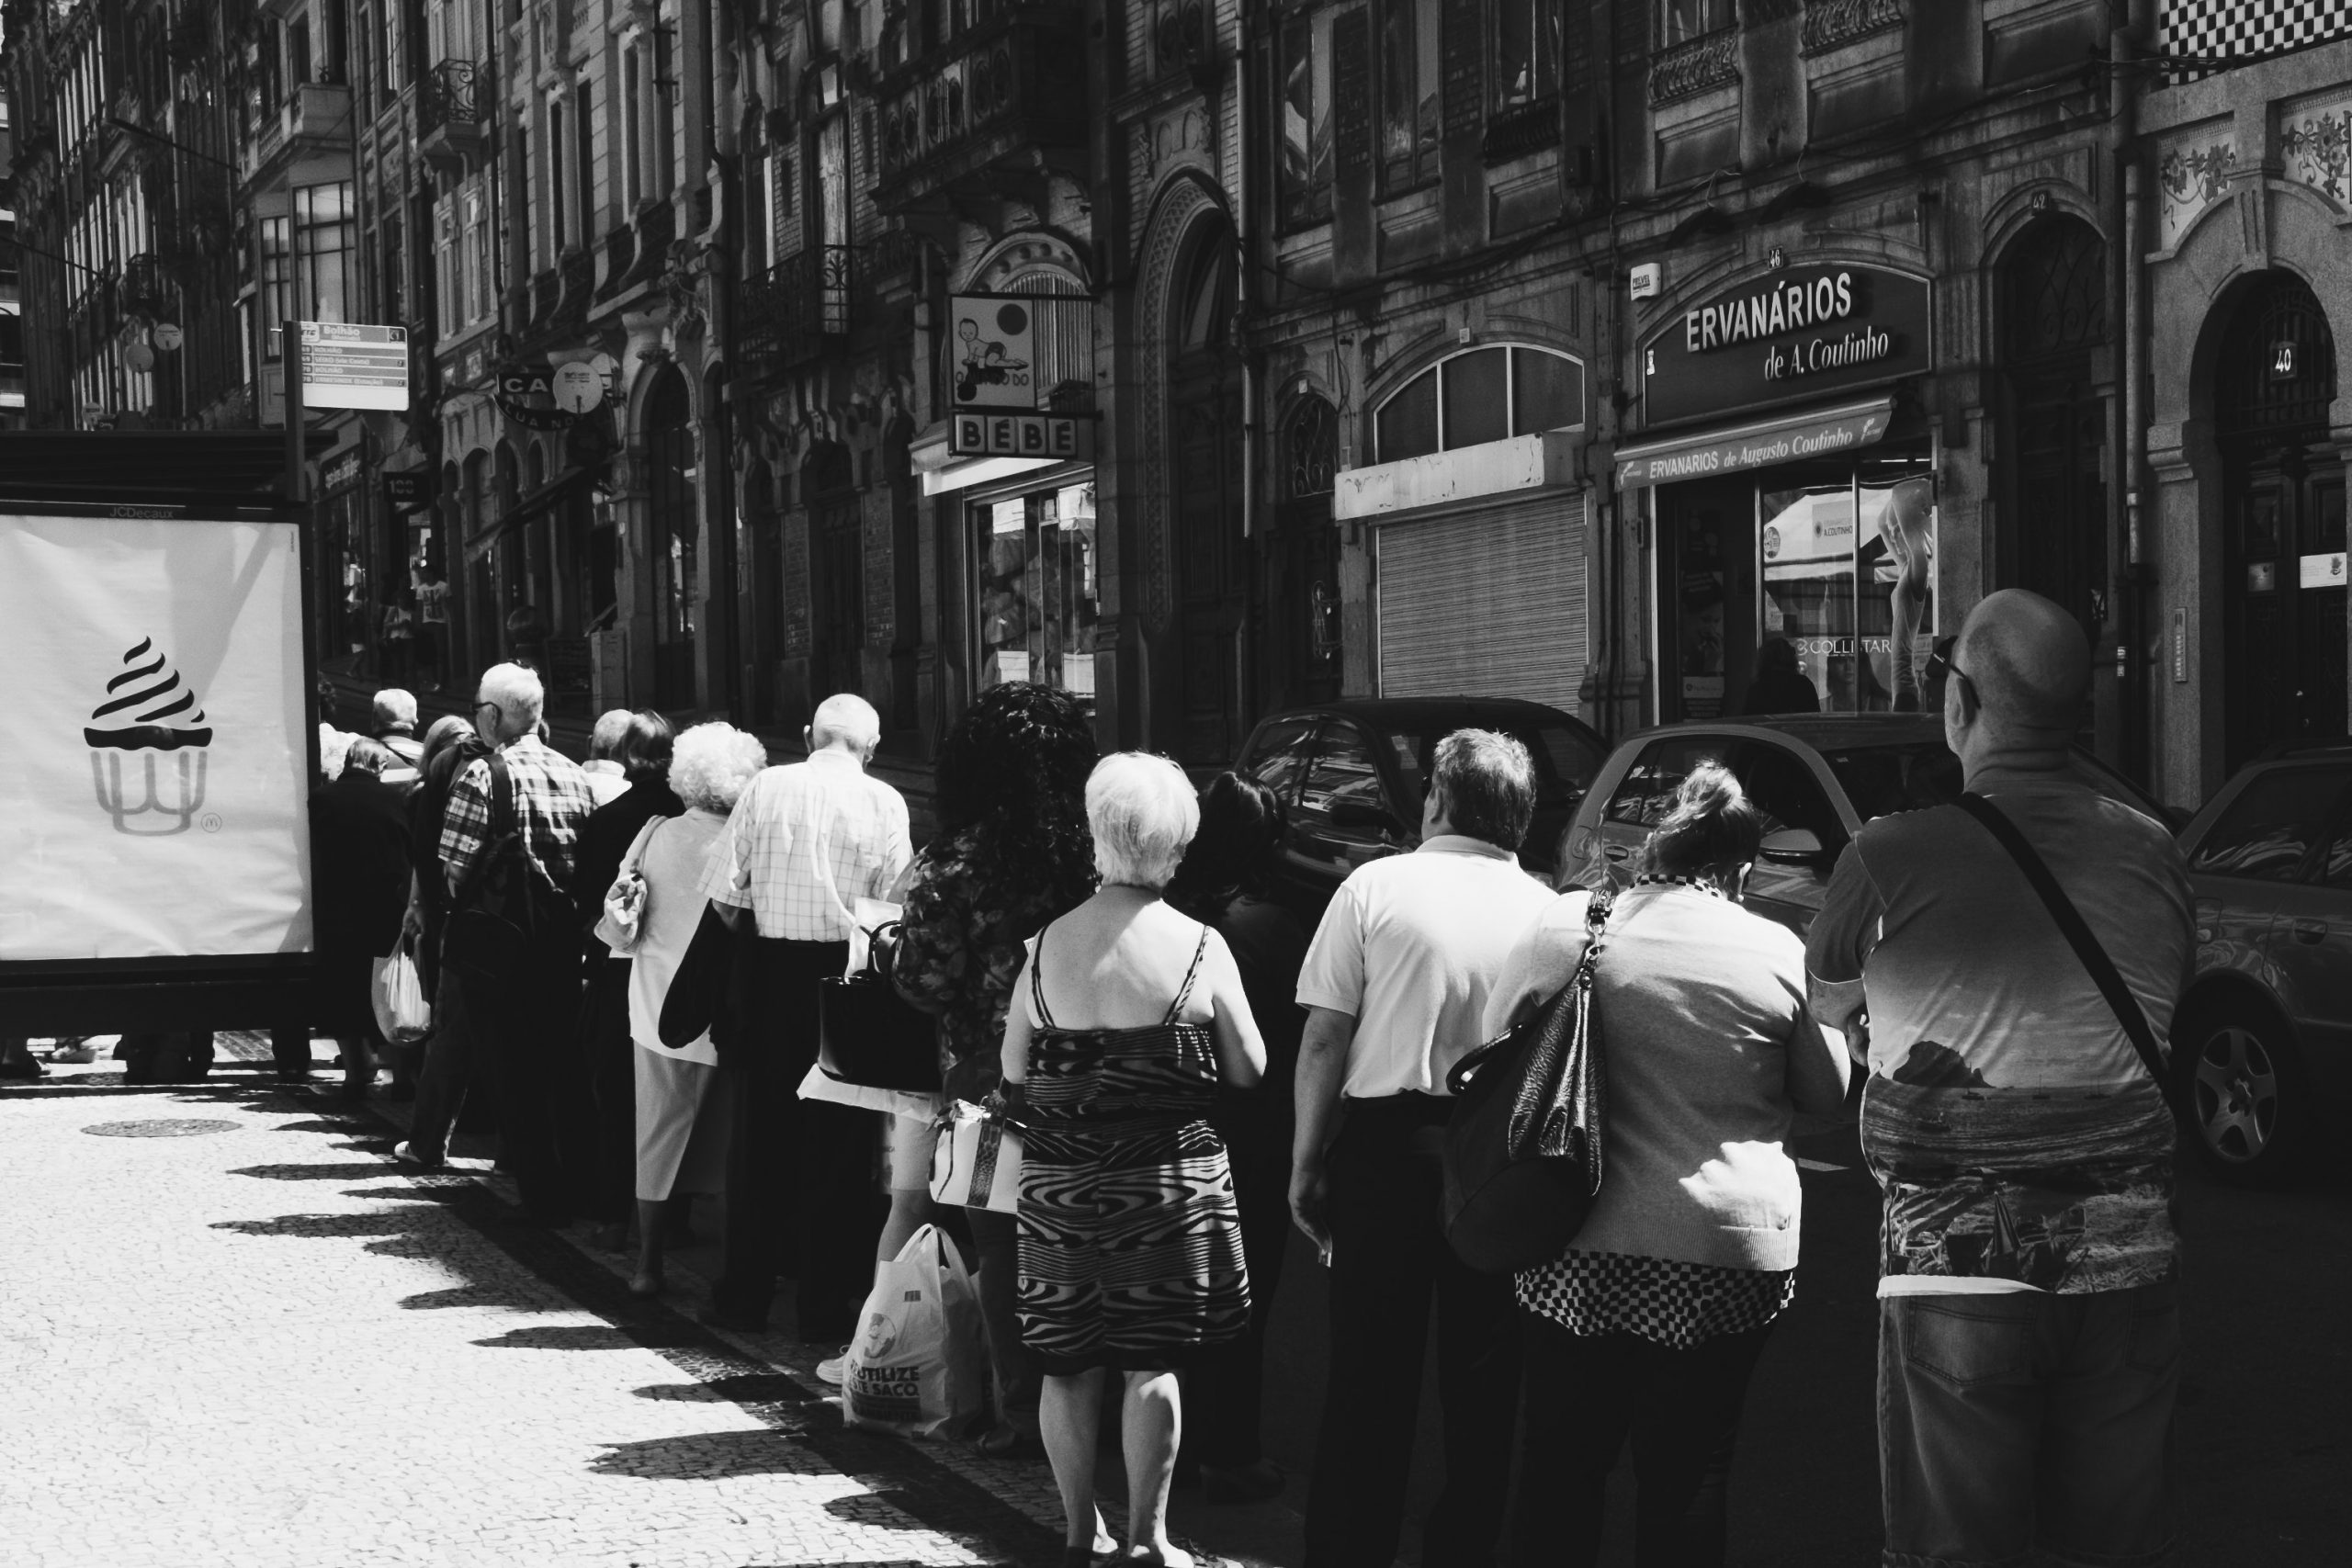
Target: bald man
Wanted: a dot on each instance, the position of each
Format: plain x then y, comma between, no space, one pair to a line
2029,1338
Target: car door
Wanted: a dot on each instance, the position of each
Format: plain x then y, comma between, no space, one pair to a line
1345,817
1277,756
1796,793
2310,942
2247,861
1646,793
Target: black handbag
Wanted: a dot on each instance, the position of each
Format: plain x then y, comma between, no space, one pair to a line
867,1034
1522,1160
505,913
701,997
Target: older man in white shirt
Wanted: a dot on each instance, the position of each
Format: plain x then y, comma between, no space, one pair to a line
805,842
1395,986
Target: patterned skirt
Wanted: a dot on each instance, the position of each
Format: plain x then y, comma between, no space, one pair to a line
1130,1244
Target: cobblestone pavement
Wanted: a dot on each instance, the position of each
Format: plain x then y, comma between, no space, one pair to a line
233,1332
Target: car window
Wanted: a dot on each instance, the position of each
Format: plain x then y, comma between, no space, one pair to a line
1647,793
2269,829
2335,866
1278,759
1880,781
1343,770
1780,785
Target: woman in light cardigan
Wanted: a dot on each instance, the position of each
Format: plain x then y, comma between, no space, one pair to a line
1651,1323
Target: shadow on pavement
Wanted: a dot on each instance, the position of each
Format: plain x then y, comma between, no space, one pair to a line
562,1337
711,1456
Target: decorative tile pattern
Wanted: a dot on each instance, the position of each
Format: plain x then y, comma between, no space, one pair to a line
2315,145
2191,173
2240,31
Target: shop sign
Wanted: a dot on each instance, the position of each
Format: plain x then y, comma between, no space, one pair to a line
1801,331
527,395
994,351
404,491
340,470
1054,437
1761,445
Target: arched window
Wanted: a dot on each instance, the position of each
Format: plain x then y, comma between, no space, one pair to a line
1310,449
1480,395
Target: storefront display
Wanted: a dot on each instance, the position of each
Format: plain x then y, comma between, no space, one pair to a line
1039,590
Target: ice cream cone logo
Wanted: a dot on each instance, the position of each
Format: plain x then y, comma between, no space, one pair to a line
148,709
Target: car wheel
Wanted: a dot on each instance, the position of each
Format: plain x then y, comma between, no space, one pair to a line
2239,1088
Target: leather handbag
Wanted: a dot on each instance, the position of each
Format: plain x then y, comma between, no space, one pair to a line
701,998
867,1033
1522,1161
976,1163
501,915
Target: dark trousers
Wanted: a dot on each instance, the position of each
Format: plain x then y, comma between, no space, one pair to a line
607,1151
510,1040
1224,1395
1585,1397
1389,1263
801,1174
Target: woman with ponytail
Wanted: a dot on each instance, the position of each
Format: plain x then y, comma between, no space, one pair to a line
1649,1326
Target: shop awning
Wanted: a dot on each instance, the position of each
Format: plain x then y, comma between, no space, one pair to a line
540,502
1758,444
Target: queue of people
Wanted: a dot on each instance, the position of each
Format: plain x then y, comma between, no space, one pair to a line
1193,1072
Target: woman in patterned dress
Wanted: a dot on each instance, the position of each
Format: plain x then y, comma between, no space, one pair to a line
1128,1016
1649,1326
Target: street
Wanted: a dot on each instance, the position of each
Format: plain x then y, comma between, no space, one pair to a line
238,1335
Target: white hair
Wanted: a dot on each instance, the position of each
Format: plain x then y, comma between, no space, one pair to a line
604,740
395,707
710,763
845,715
1143,811
516,690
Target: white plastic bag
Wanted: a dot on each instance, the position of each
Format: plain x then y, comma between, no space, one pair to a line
402,1014
917,1366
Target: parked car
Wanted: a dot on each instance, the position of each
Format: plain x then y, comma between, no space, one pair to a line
1352,775
2262,1048
1817,777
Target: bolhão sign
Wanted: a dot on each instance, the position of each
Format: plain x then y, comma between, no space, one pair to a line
1799,332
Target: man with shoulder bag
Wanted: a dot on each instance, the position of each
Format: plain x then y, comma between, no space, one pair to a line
2019,954
510,949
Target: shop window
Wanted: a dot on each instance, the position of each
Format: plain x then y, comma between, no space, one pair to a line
1039,591
1484,394
1303,178
1527,53
1678,21
1408,103
1847,575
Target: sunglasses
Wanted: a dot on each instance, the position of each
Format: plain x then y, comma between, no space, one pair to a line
1940,666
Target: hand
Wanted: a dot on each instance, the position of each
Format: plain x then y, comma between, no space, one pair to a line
1310,1196
411,927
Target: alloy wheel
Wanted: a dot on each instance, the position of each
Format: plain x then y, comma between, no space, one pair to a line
2236,1087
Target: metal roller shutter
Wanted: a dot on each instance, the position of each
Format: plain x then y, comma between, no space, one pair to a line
1486,603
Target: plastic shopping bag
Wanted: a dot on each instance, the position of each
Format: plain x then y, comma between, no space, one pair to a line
917,1366
401,1012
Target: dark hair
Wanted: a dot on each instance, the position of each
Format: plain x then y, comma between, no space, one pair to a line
644,750
1488,781
1233,852
1713,830
1777,656
1013,770
365,756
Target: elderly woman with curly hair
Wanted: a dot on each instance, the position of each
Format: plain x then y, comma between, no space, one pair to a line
682,1104
1012,852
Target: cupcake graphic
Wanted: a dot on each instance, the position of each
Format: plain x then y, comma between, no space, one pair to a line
147,743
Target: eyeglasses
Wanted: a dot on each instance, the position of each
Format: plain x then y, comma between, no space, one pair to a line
1940,665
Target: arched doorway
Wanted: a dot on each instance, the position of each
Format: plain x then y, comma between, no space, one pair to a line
1211,558
2052,324
670,534
2282,509
1302,575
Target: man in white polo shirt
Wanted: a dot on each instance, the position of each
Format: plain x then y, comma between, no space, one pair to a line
1394,986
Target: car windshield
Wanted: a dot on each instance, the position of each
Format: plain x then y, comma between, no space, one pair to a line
1882,779
1566,759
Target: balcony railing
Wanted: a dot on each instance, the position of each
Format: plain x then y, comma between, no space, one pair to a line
1010,88
789,314
1516,132
1686,70
1831,23
452,103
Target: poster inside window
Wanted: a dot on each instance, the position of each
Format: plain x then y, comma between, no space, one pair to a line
1039,589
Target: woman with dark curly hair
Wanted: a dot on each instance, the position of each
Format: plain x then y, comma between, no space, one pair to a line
1012,851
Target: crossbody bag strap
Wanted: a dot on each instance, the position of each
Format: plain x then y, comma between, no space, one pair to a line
2078,933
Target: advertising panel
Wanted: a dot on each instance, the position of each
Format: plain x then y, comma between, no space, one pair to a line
153,795
1802,332
992,351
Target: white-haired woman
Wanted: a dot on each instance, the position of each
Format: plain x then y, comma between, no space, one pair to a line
1127,1017
682,1104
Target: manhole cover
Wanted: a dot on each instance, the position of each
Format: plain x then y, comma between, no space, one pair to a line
159,1127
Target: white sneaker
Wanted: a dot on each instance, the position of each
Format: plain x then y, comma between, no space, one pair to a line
405,1153
834,1369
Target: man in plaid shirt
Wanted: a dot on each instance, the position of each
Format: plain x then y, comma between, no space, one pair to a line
804,843
510,1034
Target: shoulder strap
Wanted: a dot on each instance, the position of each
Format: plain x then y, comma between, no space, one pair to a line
502,797
1038,980
1184,991
2077,933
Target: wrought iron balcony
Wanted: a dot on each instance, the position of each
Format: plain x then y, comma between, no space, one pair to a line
1828,24
985,112
1516,132
794,310
1686,70
453,105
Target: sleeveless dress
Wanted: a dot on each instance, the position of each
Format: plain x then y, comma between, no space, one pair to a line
1130,1246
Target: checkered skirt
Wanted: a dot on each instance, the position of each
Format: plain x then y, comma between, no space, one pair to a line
1668,1302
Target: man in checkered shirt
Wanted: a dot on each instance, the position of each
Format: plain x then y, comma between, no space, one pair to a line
805,842
512,1034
